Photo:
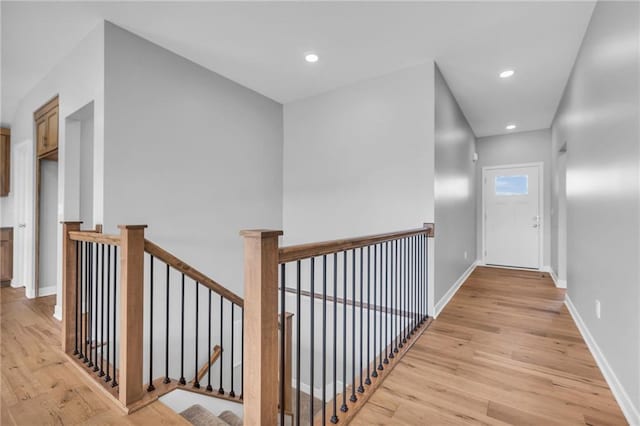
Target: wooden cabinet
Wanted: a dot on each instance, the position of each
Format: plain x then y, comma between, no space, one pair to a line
47,128
6,255
5,161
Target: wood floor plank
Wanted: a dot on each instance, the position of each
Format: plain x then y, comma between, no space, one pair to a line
39,386
505,350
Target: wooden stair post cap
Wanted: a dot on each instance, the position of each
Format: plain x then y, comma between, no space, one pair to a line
430,227
260,233
70,222
132,226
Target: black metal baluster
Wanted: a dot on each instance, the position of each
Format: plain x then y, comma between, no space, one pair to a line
108,377
334,416
242,355
405,284
312,340
166,333
361,387
89,322
386,304
114,382
324,339
182,380
232,392
282,339
298,344
374,373
78,275
151,388
344,407
396,289
95,314
353,397
367,381
381,280
417,280
221,388
196,382
102,341
421,265
209,348
83,281
426,276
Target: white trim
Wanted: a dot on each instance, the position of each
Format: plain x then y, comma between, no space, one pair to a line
558,282
624,401
541,228
454,288
57,312
304,387
47,291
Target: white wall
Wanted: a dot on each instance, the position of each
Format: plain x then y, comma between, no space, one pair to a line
455,212
78,80
517,148
190,153
359,160
598,118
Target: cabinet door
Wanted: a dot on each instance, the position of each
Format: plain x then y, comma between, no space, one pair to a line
41,135
52,129
5,164
6,264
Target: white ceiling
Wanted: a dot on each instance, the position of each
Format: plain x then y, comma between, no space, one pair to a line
261,46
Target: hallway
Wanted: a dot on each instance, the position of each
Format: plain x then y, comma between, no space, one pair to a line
505,350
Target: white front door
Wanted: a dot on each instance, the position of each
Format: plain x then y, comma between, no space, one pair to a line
512,216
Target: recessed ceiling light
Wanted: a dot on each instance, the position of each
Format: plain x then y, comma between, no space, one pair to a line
311,57
510,127
507,73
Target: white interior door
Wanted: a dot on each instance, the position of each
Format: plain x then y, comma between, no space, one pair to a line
512,216
22,249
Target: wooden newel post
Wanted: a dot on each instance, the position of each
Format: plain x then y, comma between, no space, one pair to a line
260,368
131,312
69,286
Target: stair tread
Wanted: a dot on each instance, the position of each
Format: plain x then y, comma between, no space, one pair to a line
197,415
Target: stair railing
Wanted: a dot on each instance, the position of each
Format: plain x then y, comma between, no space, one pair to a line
357,306
139,322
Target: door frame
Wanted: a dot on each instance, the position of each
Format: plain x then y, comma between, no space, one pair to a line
483,217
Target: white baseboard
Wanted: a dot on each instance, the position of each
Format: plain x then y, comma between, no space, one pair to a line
47,291
558,282
57,312
449,294
630,411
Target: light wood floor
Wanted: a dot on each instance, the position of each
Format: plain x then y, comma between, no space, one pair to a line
38,386
504,351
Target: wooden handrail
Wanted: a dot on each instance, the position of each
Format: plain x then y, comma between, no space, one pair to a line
95,237
217,350
305,251
171,260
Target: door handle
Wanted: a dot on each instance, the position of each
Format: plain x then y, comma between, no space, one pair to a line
535,225
22,225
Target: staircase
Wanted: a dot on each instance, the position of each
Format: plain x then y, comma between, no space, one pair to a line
142,323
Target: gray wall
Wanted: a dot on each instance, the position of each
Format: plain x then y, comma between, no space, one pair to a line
517,148
359,160
190,153
48,227
455,212
598,119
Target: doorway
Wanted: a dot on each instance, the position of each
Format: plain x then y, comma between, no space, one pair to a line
512,215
